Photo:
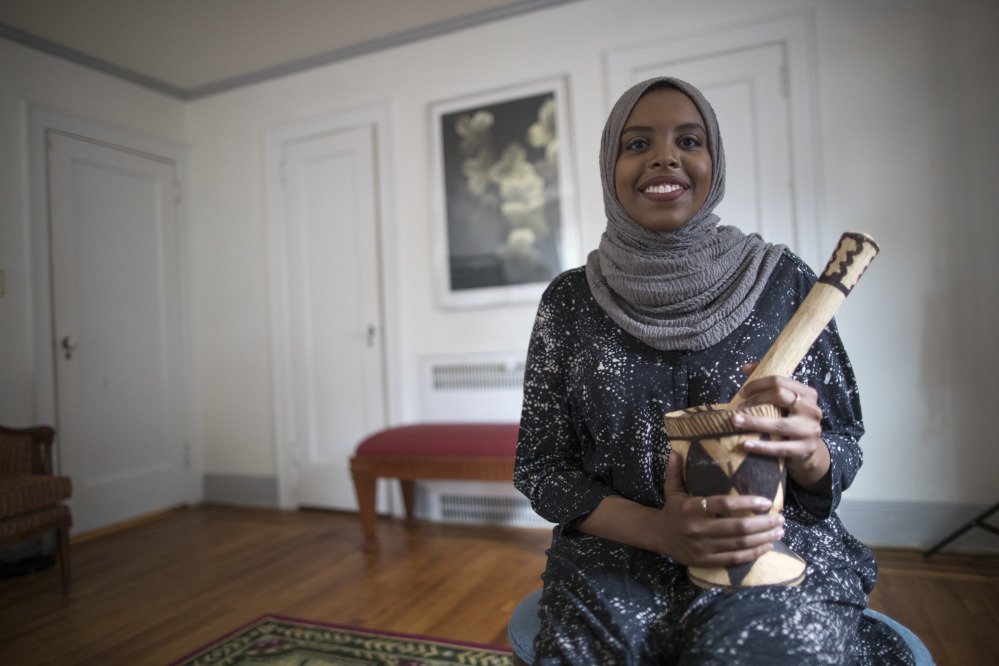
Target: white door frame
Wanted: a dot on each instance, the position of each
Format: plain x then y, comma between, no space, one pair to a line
41,120
376,116
795,32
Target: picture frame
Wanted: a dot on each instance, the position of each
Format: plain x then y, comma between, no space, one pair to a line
505,218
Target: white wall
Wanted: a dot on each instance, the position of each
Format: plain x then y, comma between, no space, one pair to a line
908,100
907,96
904,104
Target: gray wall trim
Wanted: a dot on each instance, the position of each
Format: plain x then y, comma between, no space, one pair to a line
371,46
241,490
27,39
917,525
879,524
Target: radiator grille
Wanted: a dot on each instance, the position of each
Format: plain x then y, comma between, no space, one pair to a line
470,376
468,502
483,509
473,387
487,388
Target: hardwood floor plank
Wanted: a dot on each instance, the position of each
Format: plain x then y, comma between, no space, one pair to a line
163,588
950,601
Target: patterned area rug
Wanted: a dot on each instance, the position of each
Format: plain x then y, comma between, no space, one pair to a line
277,640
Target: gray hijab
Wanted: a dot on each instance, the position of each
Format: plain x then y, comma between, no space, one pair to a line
685,289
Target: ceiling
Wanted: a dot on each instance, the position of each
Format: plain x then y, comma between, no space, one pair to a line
193,48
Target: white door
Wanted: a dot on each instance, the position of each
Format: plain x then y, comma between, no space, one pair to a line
334,310
116,321
747,75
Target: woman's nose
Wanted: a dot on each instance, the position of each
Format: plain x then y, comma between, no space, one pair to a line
666,155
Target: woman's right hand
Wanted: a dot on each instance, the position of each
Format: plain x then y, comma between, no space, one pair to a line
712,531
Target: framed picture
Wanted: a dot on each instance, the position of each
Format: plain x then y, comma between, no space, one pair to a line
504,207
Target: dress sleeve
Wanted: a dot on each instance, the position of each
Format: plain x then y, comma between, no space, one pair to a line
549,468
827,369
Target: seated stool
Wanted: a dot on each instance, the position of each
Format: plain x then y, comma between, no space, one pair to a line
452,451
524,625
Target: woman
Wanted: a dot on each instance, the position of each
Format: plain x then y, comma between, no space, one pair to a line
670,312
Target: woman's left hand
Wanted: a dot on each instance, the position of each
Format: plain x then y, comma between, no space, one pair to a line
797,435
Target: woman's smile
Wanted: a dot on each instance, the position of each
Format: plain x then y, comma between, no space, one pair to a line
664,188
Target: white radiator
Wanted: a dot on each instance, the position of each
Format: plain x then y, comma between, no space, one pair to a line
473,387
487,388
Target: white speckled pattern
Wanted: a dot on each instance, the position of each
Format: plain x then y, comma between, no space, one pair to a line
592,425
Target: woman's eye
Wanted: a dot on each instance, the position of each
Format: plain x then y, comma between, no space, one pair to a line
636,144
690,142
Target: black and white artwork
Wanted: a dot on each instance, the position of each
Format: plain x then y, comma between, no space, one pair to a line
501,170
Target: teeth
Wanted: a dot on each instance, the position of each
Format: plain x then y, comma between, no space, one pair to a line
663,189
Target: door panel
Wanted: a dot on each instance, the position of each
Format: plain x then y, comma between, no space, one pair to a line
116,314
335,309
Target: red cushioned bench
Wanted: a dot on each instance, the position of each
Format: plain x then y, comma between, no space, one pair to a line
453,451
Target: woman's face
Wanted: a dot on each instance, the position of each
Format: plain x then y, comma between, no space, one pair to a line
663,171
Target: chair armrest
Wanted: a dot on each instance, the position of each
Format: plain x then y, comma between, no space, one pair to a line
38,457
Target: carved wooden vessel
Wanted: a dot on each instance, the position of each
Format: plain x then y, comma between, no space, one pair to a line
715,462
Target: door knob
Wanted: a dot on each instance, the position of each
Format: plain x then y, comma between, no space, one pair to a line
69,346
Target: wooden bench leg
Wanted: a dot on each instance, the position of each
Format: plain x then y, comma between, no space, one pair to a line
364,486
409,499
62,547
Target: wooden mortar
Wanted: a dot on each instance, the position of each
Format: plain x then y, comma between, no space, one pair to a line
715,461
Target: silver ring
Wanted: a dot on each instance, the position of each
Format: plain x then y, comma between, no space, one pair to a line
704,504
794,402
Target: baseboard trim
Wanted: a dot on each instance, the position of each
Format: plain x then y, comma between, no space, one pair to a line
241,490
77,538
879,524
919,525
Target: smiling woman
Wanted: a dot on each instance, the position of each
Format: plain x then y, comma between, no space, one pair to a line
670,311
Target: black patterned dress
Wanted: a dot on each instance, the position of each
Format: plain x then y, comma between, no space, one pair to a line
594,398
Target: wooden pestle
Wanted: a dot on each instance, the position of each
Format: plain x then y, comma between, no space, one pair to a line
852,256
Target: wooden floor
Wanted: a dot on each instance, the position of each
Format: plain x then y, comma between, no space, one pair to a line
160,590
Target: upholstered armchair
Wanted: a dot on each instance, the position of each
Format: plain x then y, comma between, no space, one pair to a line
31,495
